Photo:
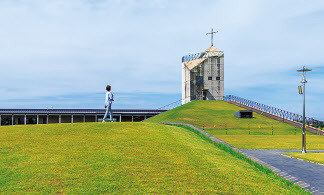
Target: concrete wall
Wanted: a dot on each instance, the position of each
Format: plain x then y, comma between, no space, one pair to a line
214,67
210,70
222,78
185,84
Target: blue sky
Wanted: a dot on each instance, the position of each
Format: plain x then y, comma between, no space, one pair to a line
63,53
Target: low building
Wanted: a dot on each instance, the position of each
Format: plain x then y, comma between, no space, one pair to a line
46,116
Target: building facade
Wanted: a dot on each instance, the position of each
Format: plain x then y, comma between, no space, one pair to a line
47,116
203,76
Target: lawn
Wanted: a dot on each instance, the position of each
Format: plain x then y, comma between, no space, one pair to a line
317,157
293,142
125,158
217,118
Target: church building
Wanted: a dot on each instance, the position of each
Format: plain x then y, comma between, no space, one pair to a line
203,76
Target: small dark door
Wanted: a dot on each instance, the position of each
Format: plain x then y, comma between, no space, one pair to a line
204,95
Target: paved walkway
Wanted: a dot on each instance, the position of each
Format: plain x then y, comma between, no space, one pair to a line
307,175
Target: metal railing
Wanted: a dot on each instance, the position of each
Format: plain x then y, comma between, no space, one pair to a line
274,111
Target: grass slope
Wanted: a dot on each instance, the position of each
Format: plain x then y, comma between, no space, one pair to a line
217,118
317,157
124,158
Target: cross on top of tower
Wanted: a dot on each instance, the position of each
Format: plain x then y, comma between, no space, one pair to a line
212,36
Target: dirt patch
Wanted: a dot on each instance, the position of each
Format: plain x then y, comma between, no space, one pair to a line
189,119
216,127
57,182
208,127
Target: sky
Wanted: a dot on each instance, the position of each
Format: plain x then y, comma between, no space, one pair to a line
62,54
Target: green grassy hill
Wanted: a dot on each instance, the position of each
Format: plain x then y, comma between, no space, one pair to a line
217,118
129,158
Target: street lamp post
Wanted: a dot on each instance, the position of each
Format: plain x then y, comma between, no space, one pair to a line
304,70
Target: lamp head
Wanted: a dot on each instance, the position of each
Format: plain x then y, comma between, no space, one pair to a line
304,69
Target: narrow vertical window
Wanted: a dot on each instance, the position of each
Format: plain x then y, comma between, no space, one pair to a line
199,80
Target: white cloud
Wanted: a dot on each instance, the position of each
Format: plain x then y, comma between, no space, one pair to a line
52,48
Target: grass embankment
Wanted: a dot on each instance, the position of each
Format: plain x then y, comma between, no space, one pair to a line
217,118
317,157
128,158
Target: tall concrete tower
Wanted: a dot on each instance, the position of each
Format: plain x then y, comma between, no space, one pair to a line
203,76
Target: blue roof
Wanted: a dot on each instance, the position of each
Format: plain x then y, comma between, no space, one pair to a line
193,56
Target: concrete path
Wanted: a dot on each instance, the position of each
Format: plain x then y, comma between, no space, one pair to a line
307,175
